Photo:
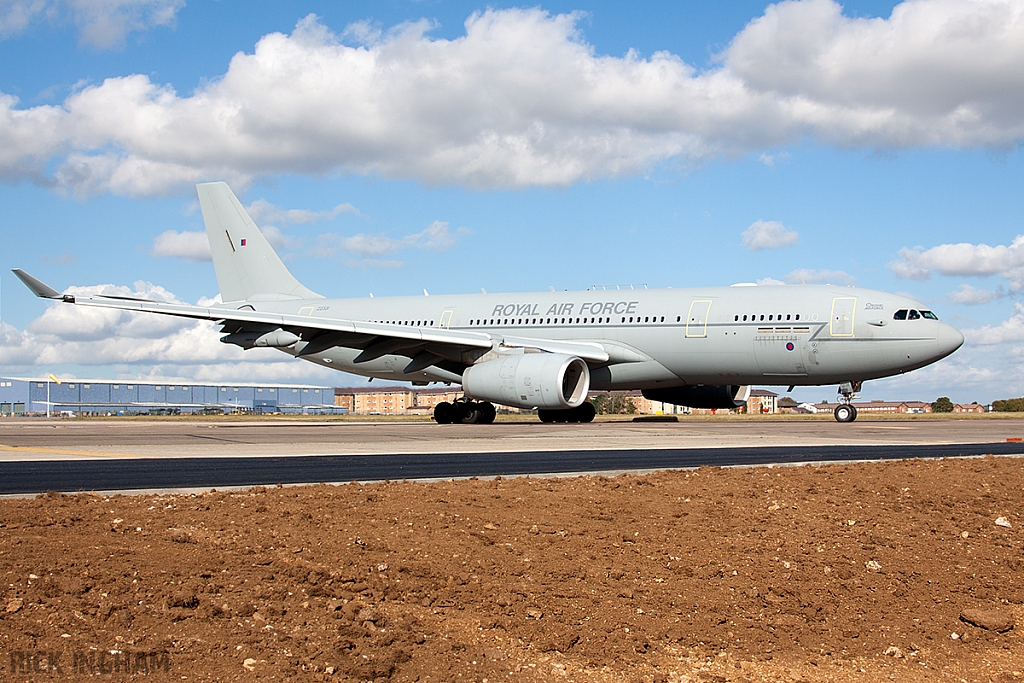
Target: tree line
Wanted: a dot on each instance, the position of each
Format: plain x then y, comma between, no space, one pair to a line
1008,405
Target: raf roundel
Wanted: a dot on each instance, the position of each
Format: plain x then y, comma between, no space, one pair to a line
789,346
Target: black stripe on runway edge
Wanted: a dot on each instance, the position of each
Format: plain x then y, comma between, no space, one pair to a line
40,476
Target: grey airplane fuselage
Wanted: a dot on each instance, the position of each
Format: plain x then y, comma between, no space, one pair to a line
767,335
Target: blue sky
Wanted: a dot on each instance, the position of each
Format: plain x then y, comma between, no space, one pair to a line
389,147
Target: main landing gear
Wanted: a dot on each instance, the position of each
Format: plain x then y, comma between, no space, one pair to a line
582,413
464,411
845,412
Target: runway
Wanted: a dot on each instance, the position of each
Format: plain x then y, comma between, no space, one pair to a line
39,456
185,473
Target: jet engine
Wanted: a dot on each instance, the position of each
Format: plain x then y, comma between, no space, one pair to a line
727,396
530,380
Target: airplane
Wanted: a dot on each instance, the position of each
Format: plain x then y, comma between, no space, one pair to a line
698,347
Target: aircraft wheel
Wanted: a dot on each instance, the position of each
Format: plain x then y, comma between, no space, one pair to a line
469,413
845,413
444,413
586,412
487,413
546,415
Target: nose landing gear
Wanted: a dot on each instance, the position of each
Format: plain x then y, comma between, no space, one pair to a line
845,412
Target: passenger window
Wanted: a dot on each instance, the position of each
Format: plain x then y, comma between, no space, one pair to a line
736,318
762,316
929,315
913,315
678,318
787,316
769,317
662,318
900,314
797,316
744,318
645,319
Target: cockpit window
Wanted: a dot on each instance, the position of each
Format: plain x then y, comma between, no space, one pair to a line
900,314
929,315
913,315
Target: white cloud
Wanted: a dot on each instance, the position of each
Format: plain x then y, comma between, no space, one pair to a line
972,296
193,246
769,281
262,211
964,259
522,100
103,23
768,235
436,237
811,276
1010,330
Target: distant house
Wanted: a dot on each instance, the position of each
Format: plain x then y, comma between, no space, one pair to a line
762,402
968,408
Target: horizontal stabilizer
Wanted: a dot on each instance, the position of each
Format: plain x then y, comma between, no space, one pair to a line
40,289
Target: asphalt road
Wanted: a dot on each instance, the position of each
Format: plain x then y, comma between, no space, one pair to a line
127,474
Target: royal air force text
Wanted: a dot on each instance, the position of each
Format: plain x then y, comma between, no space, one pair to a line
590,308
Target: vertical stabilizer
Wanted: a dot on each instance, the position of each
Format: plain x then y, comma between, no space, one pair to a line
247,266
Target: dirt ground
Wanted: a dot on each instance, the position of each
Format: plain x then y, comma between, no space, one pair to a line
854,572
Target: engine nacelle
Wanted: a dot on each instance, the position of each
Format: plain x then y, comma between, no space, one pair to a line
530,380
726,397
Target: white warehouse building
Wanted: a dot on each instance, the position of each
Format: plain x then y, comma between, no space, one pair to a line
34,396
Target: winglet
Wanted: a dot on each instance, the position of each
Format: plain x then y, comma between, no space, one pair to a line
40,289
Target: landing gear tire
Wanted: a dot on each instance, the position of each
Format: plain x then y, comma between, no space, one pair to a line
444,413
469,412
487,413
584,412
464,412
845,413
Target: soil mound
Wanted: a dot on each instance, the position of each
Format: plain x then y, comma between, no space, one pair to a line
838,572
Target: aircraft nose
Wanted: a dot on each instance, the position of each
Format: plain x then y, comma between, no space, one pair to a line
947,339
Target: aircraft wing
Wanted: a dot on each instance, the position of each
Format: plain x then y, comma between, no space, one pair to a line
375,339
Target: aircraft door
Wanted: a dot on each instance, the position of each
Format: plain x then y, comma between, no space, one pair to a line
697,320
446,320
841,324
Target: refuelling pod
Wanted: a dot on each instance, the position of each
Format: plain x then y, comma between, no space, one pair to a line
530,380
725,397
276,339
